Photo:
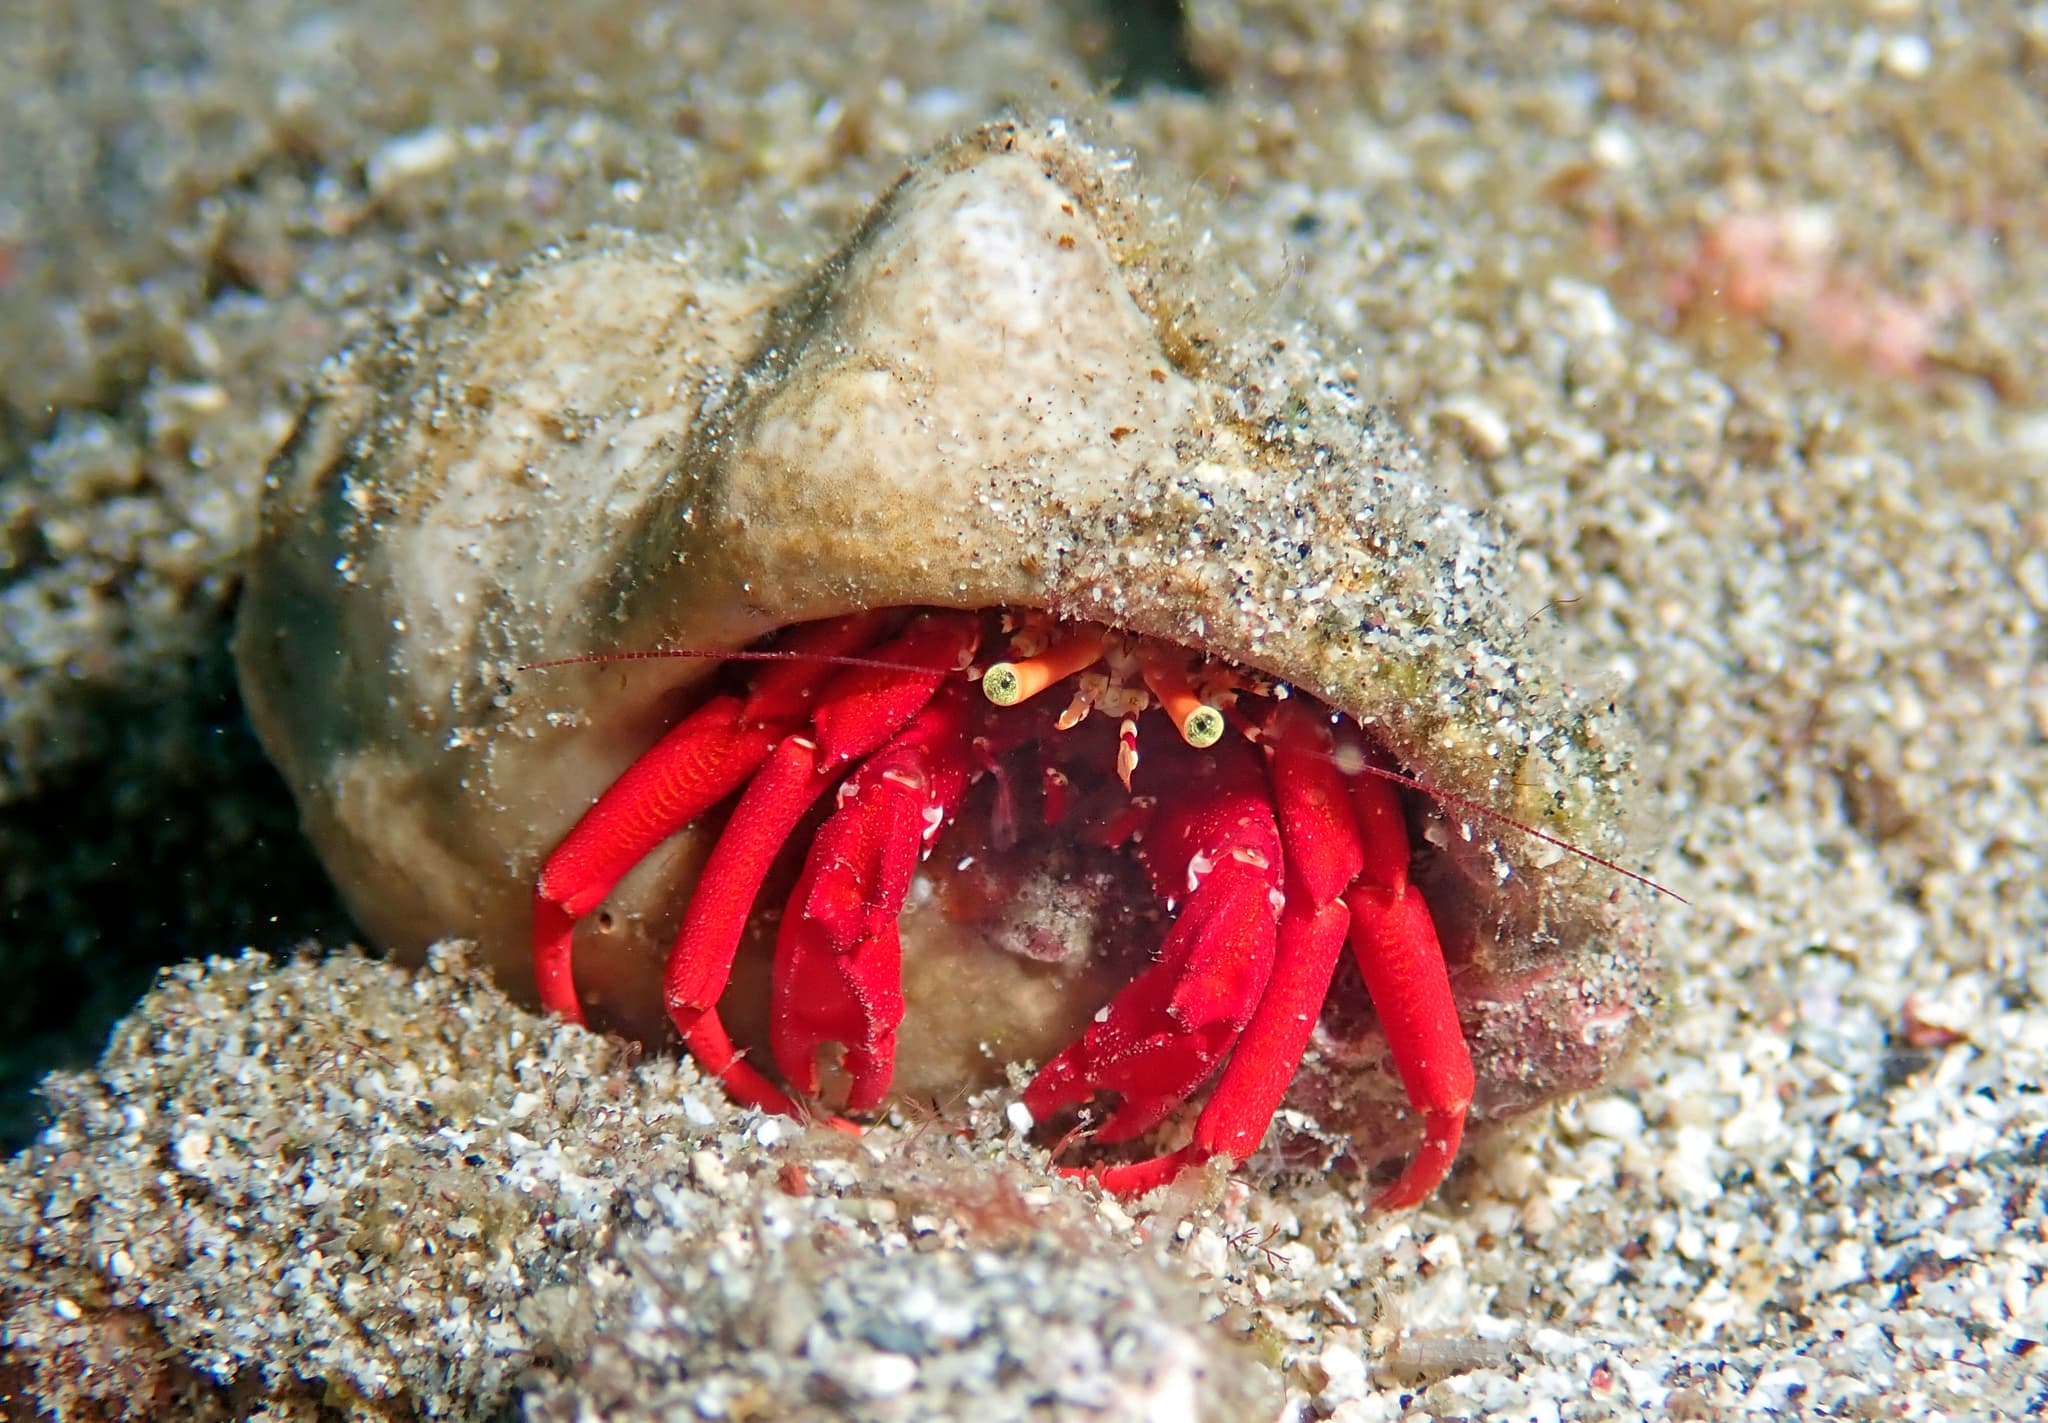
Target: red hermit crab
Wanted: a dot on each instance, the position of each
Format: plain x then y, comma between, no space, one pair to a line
1051,604
1242,974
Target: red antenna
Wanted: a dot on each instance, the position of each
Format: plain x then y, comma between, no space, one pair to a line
771,655
1487,812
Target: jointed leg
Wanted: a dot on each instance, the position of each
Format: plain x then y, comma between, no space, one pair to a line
1213,847
838,971
860,710
1393,937
701,760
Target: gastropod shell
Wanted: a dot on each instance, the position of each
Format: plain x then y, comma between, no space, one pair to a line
1004,426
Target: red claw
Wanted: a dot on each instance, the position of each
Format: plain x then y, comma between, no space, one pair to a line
1347,876
838,972
1213,843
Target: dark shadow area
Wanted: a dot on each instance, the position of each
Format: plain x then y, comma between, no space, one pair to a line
1134,45
180,844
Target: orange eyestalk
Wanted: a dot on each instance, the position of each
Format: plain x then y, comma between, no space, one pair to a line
1200,724
1008,683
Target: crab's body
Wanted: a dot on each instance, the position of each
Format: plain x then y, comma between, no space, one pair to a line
998,396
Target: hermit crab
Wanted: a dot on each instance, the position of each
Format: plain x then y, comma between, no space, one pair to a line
1069,672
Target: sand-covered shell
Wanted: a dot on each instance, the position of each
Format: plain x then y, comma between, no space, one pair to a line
1006,389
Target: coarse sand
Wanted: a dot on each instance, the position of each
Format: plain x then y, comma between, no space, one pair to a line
1734,321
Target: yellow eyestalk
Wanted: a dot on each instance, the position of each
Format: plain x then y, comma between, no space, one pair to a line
1199,723
1008,683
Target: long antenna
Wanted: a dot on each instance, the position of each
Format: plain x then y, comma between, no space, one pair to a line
1487,812
770,655
1463,802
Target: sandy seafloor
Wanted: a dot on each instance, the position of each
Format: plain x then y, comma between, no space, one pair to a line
1737,322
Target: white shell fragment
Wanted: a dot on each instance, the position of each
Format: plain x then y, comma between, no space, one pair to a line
1003,390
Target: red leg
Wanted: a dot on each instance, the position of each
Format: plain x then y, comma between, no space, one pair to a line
1314,812
1212,841
767,814
1347,857
1347,837
783,689
1324,856
838,970
715,1053
865,706
703,759
862,708
1165,1032
1267,1055
1394,940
